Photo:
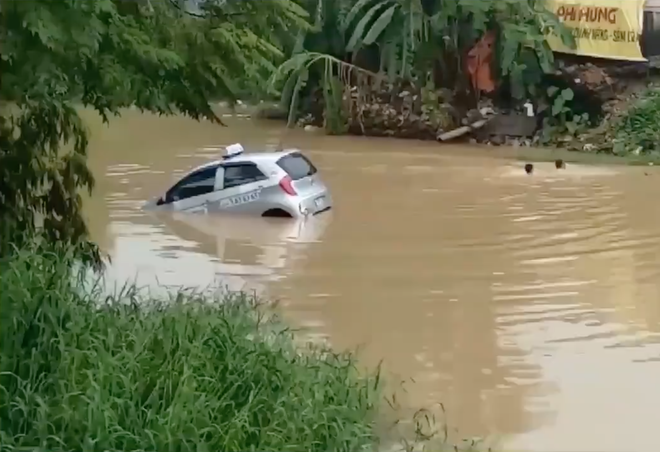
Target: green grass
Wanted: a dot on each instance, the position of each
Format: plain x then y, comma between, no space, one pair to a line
84,371
81,371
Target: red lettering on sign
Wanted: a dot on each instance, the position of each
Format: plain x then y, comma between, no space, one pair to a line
587,14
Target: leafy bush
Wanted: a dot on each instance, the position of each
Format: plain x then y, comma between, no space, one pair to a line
418,42
638,130
82,371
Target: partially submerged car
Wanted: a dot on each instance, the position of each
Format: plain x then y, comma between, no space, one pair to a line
279,184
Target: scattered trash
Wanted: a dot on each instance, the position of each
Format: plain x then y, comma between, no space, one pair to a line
529,109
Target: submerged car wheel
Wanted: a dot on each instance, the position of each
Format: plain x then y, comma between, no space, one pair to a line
277,213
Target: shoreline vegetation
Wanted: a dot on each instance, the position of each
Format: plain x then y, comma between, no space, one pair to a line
271,111
621,126
483,74
81,370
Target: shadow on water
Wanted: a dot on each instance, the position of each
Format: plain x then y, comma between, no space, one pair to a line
526,304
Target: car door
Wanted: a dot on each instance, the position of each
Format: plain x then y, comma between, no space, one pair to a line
192,193
241,188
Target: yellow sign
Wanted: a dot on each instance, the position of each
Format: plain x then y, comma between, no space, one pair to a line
602,28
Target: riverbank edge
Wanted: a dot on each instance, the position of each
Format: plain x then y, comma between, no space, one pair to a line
542,154
534,152
227,358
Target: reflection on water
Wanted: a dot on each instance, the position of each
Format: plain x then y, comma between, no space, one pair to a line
204,251
528,305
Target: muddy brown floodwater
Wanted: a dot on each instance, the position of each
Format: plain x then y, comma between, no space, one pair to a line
528,305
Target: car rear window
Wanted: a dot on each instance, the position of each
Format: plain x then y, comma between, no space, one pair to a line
297,166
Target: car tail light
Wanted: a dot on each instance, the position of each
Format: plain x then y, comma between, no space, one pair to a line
287,186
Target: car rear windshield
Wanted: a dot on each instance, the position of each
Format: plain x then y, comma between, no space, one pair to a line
297,166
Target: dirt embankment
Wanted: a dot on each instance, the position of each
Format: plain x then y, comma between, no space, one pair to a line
601,91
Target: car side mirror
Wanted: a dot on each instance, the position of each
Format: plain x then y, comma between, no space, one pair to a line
168,198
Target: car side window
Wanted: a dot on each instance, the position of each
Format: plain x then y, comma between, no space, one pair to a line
236,175
198,183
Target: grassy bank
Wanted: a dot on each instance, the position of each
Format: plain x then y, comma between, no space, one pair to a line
81,371
629,135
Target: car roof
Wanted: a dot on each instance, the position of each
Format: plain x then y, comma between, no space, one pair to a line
252,157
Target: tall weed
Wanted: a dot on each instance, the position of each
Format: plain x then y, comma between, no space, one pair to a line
82,371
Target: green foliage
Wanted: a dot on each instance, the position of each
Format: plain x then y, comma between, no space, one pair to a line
111,54
432,108
524,54
418,40
447,30
37,182
333,96
322,38
560,120
336,76
560,99
256,34
398,27
83,371
638,130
